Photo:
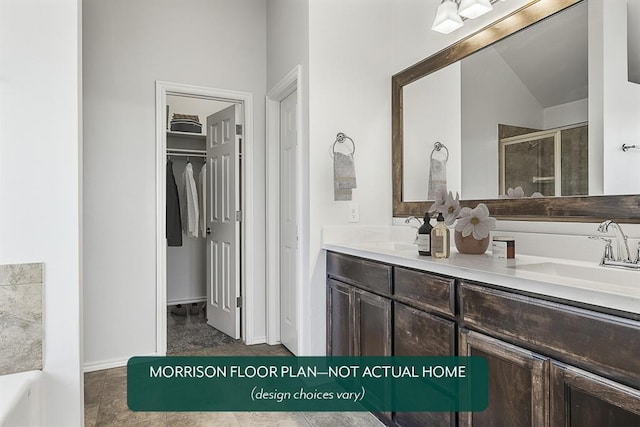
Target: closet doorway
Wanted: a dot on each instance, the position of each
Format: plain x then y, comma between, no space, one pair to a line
204,147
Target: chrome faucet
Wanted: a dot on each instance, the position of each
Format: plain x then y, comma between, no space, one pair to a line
622,257
623,254
418,220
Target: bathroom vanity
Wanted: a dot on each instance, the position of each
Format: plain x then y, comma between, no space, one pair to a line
552,360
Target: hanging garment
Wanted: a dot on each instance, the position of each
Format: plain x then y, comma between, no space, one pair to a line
191,196
174,224
202,180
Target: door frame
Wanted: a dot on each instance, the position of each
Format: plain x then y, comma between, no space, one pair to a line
247,251
285,87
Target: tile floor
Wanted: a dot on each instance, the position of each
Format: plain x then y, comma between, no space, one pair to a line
106,403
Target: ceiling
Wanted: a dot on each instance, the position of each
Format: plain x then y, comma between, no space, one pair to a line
551,58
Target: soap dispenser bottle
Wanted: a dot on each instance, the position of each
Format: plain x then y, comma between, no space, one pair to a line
423,239
440,245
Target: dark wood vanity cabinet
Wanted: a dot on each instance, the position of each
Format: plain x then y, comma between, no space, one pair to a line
417,333
358,321
580,398
518,383
550,363
339,319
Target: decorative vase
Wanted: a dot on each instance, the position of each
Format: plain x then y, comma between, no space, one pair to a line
469,245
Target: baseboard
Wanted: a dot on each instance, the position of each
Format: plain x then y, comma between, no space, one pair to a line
107,364
257,340
187,300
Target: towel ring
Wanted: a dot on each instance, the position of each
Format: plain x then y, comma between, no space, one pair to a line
439,146
341,137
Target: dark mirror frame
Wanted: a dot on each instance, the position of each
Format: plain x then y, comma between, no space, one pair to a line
623,208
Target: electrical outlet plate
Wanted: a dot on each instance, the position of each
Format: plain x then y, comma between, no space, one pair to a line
354,212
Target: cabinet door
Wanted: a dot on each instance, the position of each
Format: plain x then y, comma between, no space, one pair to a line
518,383
579,398
340,335
372,316
417,333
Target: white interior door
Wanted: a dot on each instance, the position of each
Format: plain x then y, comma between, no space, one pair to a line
288,224
223,243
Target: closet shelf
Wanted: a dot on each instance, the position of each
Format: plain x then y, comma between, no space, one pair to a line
186,135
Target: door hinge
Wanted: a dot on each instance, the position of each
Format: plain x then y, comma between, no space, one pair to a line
238,129
239,216
239,302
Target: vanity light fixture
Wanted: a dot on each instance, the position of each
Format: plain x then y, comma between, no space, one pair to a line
473,8
451,13
447,18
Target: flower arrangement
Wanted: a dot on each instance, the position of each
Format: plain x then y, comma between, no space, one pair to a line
474,222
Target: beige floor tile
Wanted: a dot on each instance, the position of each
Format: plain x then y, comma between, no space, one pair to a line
202,419
93,386
90,414
272,419
335,419
116,372
114,411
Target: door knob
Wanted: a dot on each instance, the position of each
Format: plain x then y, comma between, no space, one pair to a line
208,230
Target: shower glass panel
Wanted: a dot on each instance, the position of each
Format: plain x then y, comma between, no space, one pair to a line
531,164
552,162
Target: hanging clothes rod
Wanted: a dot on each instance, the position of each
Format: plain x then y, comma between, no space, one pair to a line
182,152
203,156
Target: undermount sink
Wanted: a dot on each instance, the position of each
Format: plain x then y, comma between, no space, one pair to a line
607,279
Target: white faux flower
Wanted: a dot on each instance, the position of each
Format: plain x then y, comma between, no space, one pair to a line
447,205
451,208
438,203
475,221
515,193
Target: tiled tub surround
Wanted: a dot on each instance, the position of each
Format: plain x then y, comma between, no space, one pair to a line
20,317
375,243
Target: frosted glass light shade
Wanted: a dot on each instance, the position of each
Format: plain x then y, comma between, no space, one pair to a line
473,8
447,18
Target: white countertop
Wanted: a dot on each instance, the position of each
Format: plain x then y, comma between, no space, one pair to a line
594,285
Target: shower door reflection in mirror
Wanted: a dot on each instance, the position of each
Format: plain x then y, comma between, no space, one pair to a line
543,163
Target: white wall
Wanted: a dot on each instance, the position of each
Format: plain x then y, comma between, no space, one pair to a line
350,92
500,98
566,114
128,45
354,49
621,105
431,112
40,179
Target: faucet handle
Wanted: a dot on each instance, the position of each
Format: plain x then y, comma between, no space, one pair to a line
608,248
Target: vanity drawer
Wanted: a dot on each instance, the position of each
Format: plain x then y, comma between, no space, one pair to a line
599,342
360,272
425,291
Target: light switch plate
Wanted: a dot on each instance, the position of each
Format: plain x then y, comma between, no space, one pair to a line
354,212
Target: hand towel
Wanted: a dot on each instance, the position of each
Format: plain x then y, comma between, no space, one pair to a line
191,196
344,176
174,224
202,196
437,178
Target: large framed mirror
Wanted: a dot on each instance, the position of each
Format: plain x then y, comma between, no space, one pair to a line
511,106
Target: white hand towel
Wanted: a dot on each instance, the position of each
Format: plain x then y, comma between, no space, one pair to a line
344,176
202,178
437,178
